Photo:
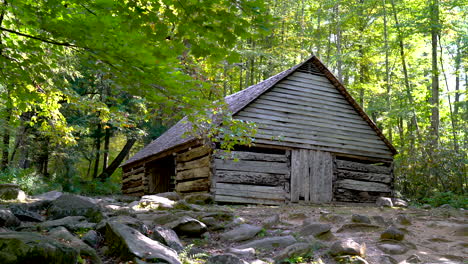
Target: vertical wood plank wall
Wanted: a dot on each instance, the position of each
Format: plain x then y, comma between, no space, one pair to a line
251,177
311,176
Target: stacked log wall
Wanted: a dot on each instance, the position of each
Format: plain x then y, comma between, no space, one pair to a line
133,181
193,170
251,177
359,181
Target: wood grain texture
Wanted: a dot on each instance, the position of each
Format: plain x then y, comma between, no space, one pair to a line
203,172
362,186
295,174
252,166
196,163
245,200
193,186
247,177
251,191
246,155
366,176
357,166
193,153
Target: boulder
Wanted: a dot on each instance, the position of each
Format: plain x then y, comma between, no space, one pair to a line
384,201
292,251
357,227
347,247
62,234
74,205
92,238
167,237
225,259
8,219
72,223
212,223
242,253
11,192
413,259
26,248
356,218
188,226
128,243
241,233
199,198
314,229
48,196
397,202
269,242
24,212
155,202
392,248
393,233
379,220
170,195
271,220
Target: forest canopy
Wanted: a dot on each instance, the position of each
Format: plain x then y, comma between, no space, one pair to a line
82,82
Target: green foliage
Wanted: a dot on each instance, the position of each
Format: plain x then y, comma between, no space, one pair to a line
28,180
186,258
440,198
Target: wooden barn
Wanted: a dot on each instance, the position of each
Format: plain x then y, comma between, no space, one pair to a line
314,143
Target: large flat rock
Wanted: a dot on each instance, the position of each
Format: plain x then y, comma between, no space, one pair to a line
269,242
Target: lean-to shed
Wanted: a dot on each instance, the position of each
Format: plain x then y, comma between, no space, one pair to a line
314,143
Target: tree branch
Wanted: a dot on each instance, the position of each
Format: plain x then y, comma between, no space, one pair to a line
66,44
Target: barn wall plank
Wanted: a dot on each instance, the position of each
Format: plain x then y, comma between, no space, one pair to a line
362,186
247,177
245,200
253,166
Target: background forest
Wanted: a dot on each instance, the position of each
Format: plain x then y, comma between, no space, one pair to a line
85,84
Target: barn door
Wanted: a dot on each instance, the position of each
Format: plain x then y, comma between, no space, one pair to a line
311,176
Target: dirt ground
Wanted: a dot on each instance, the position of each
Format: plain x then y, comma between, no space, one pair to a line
434,235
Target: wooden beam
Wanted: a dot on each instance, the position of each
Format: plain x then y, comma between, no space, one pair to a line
193,186
248,155
196,163
193,153
362,186
203,172
366,176
244,200
247,177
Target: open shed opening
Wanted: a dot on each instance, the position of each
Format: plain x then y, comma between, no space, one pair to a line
161,175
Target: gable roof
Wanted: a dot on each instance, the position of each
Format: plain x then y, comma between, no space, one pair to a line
238,101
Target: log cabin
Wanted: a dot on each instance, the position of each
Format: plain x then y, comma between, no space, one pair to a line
314,144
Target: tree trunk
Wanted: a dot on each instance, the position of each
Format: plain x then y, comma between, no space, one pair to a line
118,160
435,72
6,135
107,135
98,150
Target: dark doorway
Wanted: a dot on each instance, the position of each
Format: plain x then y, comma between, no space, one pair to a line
161,175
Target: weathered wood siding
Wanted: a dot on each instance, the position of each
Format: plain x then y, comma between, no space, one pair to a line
251,177
311,176
305,110
133,181
357,181
193,170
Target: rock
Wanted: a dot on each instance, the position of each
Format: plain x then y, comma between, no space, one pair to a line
269,242
426,206
461,230
386,259
170,195
166,237
183,205
128,243
129,221
241,233
155,202
292,251
356,218
351,260
259,261
403,219
384,201
11,192
393,233
74,205
242,253
392,248
358,227
446,206
92,238
347,247
199,198
72,223
397,202
8,219
332,218
314,229
48,196
212,223
379,220
225,259
62,234
413,259
271,221
235,222
25,248
188,226
24,213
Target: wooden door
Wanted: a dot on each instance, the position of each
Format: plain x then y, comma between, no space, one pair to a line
311,176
